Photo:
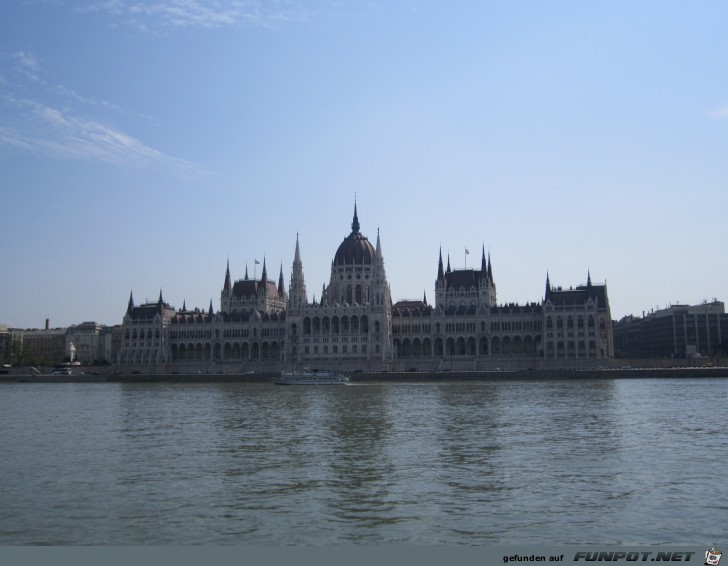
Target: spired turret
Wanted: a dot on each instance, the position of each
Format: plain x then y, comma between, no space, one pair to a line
297,289
465,290
247,295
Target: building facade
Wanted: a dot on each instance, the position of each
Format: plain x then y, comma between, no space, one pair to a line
679,331
355,326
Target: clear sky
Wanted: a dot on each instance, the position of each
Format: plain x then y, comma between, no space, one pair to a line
143,144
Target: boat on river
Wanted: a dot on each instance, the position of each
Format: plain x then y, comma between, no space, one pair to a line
312,377
61,370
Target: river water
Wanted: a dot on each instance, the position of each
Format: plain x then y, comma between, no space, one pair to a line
623,461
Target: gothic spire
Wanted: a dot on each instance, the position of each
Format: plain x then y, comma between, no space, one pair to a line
227,285
588,278
210,307
548,287
297,254
281,287
483,265
448,263
424,297
440,270
264,275
355,222
131,303
297,288
490,269
246,271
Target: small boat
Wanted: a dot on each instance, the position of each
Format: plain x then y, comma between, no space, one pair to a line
315,377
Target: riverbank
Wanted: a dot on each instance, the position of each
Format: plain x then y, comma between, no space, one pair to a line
364,377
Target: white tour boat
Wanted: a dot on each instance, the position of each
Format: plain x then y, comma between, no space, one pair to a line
315,377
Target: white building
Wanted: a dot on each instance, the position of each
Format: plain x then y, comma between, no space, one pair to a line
354,324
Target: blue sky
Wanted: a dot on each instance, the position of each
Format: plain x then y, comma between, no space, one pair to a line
145,144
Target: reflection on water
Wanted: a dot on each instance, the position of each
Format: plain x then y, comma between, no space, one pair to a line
602,461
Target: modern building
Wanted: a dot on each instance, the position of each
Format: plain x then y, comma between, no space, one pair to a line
355,326
679,331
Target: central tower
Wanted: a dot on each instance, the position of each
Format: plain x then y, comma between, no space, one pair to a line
350,326
352,270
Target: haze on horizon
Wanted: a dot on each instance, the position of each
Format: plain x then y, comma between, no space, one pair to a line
145,145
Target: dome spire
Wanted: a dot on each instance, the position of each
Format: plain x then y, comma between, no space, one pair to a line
355,222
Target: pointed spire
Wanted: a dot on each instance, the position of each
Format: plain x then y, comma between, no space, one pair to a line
548,287
264,275
424,297
297,289
160,302
131,303
378,249
490,269
246,271
281,286
227,285
440,270
211,307
355,222
448,263
297,254
588,278
483,265
184,305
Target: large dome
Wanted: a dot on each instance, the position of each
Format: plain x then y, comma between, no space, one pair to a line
355,249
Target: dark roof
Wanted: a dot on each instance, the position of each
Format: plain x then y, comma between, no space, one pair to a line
411,308
464,278
579,296
250,288
191,317
149,310
355,249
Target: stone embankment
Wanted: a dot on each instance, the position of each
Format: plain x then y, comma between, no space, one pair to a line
402,377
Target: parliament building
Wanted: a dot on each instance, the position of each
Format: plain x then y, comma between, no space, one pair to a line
354,325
